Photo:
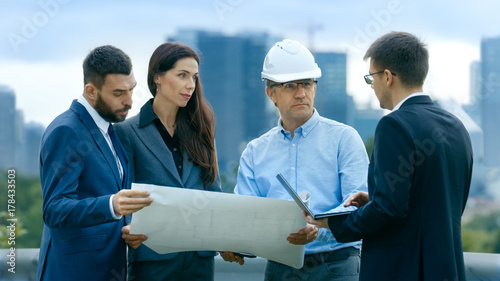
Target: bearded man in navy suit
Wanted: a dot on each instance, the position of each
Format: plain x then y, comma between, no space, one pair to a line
84,175
418,178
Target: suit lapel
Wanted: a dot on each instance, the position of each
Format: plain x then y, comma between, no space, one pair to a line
152,139
102,144
124,161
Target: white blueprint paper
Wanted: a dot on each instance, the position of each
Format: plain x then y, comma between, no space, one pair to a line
182,219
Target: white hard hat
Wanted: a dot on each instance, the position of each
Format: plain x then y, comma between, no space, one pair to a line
289,60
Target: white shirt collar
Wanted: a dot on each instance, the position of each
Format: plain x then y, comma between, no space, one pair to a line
103,126
405,99
100,122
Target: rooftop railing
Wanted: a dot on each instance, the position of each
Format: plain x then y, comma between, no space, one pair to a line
478,266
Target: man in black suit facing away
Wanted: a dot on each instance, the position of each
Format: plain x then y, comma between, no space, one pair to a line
418,179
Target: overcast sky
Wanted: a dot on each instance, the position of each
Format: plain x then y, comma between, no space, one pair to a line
43,43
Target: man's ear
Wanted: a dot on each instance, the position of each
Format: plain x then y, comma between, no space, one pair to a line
389,78
90,92
271,94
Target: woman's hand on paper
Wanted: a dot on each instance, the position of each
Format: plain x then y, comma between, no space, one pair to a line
133,240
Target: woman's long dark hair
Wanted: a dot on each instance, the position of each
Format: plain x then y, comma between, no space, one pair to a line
195,123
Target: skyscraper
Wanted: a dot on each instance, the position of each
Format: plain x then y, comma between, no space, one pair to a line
475,82
490,100
29,150
332,100
19,142
474,106
7,127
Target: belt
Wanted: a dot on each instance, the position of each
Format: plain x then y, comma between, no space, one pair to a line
325,257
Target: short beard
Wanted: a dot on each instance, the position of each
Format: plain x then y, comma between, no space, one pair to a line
107,113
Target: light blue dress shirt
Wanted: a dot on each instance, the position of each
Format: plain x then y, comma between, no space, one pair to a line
325,157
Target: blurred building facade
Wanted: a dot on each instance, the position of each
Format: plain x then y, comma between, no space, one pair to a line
332,100
490,100
19,142
7,127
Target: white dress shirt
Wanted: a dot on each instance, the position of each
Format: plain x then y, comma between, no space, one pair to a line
103,126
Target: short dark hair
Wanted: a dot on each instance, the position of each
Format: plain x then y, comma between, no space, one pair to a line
105,60
402,53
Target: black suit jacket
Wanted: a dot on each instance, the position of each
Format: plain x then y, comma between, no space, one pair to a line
418,184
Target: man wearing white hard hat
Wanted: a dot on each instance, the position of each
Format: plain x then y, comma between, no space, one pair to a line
315,154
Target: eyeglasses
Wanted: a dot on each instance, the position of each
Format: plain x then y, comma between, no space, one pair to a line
369,77
292,87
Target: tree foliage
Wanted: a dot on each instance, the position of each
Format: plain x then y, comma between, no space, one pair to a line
482,234
28,211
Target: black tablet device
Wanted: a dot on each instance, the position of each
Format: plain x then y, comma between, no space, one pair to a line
301,203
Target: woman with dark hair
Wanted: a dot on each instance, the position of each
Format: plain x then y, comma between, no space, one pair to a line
171,143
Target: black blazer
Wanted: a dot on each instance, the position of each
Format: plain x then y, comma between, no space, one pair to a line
418,184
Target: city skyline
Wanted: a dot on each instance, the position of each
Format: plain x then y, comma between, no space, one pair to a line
236,57
43,43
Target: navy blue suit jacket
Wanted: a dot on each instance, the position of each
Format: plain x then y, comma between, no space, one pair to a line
81,240
418,184
151,162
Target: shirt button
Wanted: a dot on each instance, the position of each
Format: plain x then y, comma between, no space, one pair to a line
293,168
175,149
293,144
180,167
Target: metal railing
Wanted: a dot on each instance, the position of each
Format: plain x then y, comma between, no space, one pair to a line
478,266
